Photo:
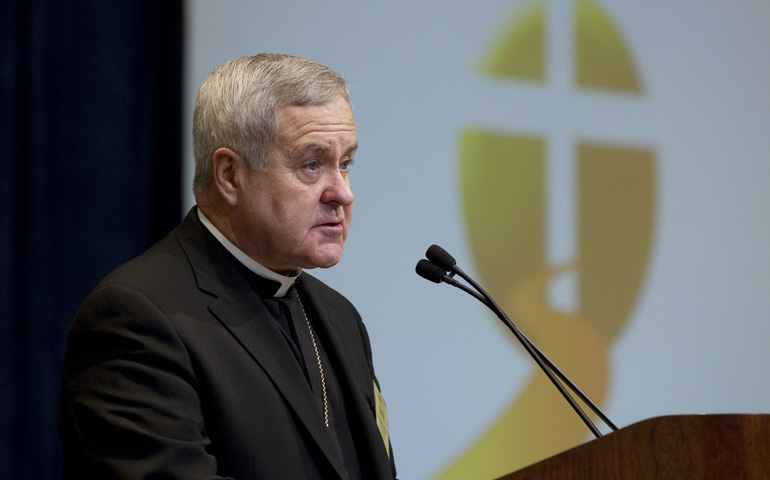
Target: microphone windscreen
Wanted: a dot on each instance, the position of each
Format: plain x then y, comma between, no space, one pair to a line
440,257
429,271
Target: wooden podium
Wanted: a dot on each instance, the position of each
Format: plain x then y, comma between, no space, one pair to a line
662,448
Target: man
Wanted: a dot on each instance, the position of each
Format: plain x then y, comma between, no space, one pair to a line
213,355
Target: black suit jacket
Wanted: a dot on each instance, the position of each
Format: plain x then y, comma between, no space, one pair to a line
174,369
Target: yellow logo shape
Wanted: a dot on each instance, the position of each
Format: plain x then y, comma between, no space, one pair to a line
504,186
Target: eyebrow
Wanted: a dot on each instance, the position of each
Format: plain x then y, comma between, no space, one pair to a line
315,148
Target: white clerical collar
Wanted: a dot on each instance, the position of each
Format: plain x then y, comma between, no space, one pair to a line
285,281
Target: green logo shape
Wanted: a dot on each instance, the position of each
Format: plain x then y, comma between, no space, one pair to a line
520,54
602,59
504,183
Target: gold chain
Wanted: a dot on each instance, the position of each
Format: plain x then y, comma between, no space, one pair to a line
318,357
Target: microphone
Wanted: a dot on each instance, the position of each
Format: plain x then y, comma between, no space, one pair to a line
441,257
436,274
430,271
440,267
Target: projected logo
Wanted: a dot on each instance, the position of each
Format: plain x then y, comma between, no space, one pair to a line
507,189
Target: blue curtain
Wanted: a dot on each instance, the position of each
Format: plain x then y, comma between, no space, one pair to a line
90,160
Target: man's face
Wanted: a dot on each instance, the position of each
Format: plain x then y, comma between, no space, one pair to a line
297,212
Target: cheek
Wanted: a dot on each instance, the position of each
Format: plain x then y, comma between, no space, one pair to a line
301,213
298,210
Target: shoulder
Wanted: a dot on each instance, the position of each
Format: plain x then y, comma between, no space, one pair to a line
161,267
187,261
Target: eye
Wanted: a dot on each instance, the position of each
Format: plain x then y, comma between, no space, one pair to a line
345,164
312,166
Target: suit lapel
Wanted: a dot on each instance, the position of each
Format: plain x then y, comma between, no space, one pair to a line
354,380
240,310
266,345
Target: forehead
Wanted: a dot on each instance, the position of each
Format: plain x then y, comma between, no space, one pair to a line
331,120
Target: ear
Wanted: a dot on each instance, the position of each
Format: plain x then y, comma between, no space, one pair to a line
226,163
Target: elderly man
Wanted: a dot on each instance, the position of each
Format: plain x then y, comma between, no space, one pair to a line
213,355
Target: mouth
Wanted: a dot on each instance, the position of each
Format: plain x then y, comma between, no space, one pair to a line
333,230
335,224
331,222
330,225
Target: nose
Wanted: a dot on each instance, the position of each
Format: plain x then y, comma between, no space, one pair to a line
338,190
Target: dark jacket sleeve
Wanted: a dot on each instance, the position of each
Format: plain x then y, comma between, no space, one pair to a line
129,406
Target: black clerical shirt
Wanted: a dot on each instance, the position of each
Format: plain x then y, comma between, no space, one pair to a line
295,318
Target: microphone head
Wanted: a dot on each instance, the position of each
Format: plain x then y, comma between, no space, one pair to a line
440,257
429,271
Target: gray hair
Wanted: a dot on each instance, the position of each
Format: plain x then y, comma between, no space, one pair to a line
237,107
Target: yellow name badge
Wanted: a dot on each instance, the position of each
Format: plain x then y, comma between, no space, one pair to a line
382,417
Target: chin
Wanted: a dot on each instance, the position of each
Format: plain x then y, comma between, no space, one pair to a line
322,267
325,259
326,263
